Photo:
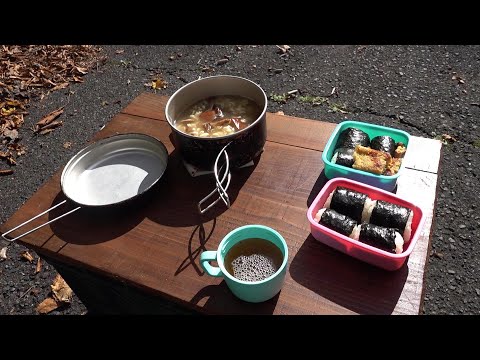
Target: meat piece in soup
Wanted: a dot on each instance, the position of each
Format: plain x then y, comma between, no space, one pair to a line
218,116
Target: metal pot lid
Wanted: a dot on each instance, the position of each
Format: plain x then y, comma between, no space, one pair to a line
114,170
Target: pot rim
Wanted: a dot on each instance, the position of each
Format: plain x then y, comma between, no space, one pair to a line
235,134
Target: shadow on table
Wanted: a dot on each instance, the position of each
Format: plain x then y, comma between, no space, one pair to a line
346,281
174,203
93,225
222,301
321,181
196,247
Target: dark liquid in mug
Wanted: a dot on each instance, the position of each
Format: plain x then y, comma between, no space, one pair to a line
253,259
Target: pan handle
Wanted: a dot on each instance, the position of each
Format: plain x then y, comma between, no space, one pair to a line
38,227
222,189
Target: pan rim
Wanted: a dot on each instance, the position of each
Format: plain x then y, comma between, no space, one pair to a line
102,142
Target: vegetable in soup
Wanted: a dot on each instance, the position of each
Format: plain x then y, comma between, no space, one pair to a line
218,116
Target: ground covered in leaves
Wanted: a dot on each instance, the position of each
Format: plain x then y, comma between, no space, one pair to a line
29,74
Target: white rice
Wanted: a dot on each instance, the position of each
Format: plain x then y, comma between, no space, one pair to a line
355,235
367,209
329,200
408,228
398,243
334,158
319,215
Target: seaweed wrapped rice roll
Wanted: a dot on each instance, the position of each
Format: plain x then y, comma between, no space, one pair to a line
386,214
383,143
336,221
351,137
343,156
351,203
346,143
388,239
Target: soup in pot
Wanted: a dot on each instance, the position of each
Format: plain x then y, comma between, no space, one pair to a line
218,116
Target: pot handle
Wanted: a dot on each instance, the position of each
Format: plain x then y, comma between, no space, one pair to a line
220,188
38,227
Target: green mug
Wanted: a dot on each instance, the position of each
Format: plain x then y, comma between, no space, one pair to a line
251,291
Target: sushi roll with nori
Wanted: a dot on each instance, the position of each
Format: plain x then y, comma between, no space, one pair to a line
351,137
336,221
383,143
384,213
343,156
388,239
351,203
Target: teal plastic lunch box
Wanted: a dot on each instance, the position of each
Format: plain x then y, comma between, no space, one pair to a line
381,181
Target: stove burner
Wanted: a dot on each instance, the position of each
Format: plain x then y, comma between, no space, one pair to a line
195,171
222,178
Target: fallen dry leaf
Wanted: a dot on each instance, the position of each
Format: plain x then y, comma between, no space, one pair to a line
47,306
6,112
119,51
67,145
13,102
18,148
61,291
221,62
60,86
458,78
7,155
53,125
81,70
283,49
27,255
38,268
3,253
159,84
11,160
446,139
11,134
280,113
6,172
46,131
207,68
47,119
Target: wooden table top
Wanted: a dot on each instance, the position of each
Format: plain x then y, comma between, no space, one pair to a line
155,243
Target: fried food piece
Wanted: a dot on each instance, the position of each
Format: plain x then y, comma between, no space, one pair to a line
370,160
400,150
393,166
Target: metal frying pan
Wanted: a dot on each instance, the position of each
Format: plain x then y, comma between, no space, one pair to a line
109,172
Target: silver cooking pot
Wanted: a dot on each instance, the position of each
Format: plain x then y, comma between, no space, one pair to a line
108,172
243,145
218,153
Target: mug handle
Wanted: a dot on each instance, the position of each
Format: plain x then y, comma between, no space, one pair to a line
205,258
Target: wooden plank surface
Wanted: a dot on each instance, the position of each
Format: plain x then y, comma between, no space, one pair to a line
154,243
418,146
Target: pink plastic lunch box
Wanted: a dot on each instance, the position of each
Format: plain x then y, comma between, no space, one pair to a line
357,249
